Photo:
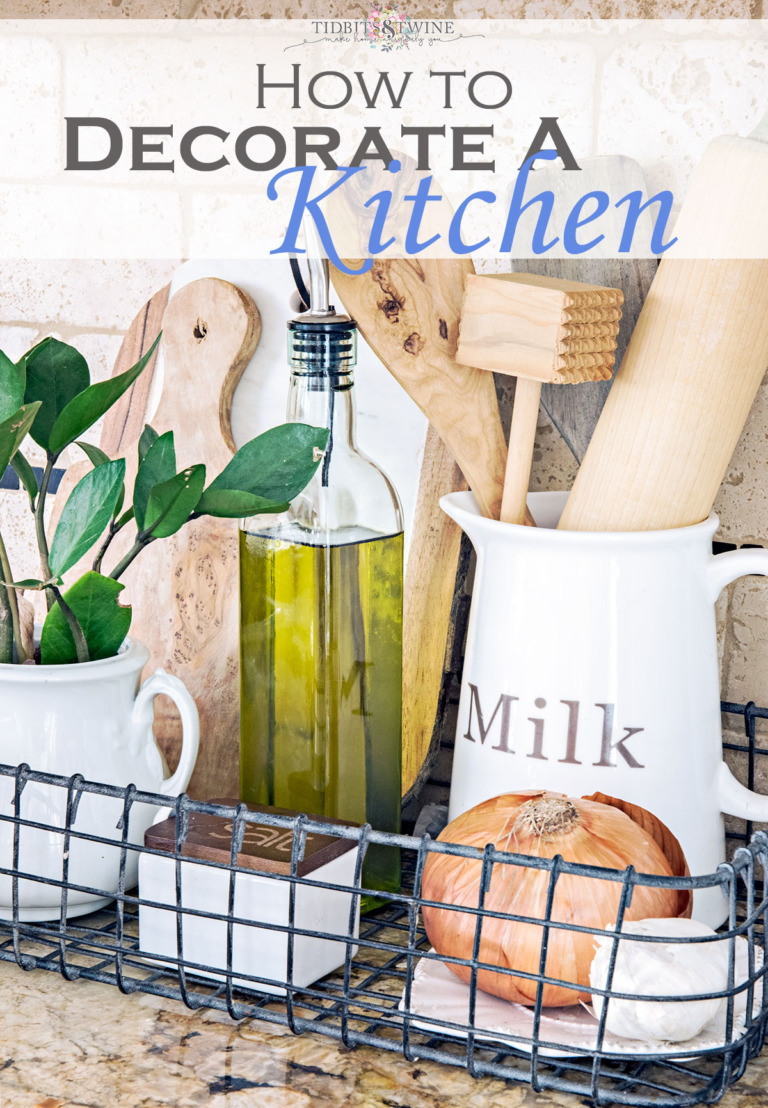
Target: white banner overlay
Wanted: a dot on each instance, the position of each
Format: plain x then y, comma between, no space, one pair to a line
215,138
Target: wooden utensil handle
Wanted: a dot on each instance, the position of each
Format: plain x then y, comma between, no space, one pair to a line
522,436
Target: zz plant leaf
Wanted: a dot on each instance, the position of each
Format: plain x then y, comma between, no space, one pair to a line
89,405
148,436
173,502
234,504
94,454
157,465
56,374
275,466
26,475
14,430
13,380
86,514
104,622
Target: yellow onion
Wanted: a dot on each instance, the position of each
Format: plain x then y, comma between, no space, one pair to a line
604,832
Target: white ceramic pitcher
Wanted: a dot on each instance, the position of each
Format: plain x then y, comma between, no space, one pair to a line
591,666
92,719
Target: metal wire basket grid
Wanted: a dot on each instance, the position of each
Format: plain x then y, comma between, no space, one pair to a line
375,996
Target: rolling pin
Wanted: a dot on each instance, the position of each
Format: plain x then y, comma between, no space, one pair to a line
695,361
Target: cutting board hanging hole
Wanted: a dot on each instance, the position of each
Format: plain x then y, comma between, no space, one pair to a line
200,330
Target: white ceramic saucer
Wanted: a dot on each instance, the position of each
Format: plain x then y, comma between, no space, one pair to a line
436,993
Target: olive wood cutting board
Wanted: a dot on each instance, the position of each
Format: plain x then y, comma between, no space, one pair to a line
184,589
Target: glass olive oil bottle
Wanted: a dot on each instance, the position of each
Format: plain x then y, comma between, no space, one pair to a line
321,595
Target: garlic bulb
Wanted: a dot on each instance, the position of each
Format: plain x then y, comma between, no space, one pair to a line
542,824
661,969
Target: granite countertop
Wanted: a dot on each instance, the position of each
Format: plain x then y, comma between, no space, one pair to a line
86,1045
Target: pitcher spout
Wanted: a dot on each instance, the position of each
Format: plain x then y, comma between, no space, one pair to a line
462,508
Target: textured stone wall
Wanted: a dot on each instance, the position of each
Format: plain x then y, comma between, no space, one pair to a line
355,9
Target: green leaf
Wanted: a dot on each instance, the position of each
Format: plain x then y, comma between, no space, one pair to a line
94,454
97,457
159,465
233,504
276,465
171,504
26,583
86,513
119,502
148,436
56,373
14,430
105,623
89,405
126,517
13,379
26,475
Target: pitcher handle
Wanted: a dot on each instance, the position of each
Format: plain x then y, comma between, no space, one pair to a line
733,797
165,683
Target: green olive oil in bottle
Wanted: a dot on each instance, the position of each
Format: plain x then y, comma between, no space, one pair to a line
321,597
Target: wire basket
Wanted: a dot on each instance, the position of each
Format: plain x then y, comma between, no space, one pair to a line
390,990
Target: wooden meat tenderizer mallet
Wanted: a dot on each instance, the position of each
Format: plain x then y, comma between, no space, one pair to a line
538,329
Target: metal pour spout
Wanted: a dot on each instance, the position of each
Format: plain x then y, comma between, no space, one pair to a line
319,274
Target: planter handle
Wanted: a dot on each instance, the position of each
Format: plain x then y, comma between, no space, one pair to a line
164,683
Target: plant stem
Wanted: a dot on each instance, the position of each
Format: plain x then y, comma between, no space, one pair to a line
13,603
6,624
135,550
81,646
42,541
114,529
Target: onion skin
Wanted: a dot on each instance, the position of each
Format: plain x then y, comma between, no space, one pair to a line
600,835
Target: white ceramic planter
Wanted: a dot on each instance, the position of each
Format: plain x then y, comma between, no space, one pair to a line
90,719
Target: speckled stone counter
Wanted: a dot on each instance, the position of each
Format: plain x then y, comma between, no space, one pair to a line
85,1045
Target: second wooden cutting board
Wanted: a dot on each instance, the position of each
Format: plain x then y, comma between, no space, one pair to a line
184,589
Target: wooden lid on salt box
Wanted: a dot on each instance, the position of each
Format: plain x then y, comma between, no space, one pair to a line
265,847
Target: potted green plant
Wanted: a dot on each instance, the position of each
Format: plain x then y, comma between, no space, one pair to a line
68,701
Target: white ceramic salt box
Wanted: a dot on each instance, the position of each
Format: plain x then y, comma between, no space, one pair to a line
261,898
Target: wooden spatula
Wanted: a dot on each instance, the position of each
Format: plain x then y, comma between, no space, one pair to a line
408,312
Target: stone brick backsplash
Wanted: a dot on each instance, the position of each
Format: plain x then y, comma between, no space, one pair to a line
357,9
